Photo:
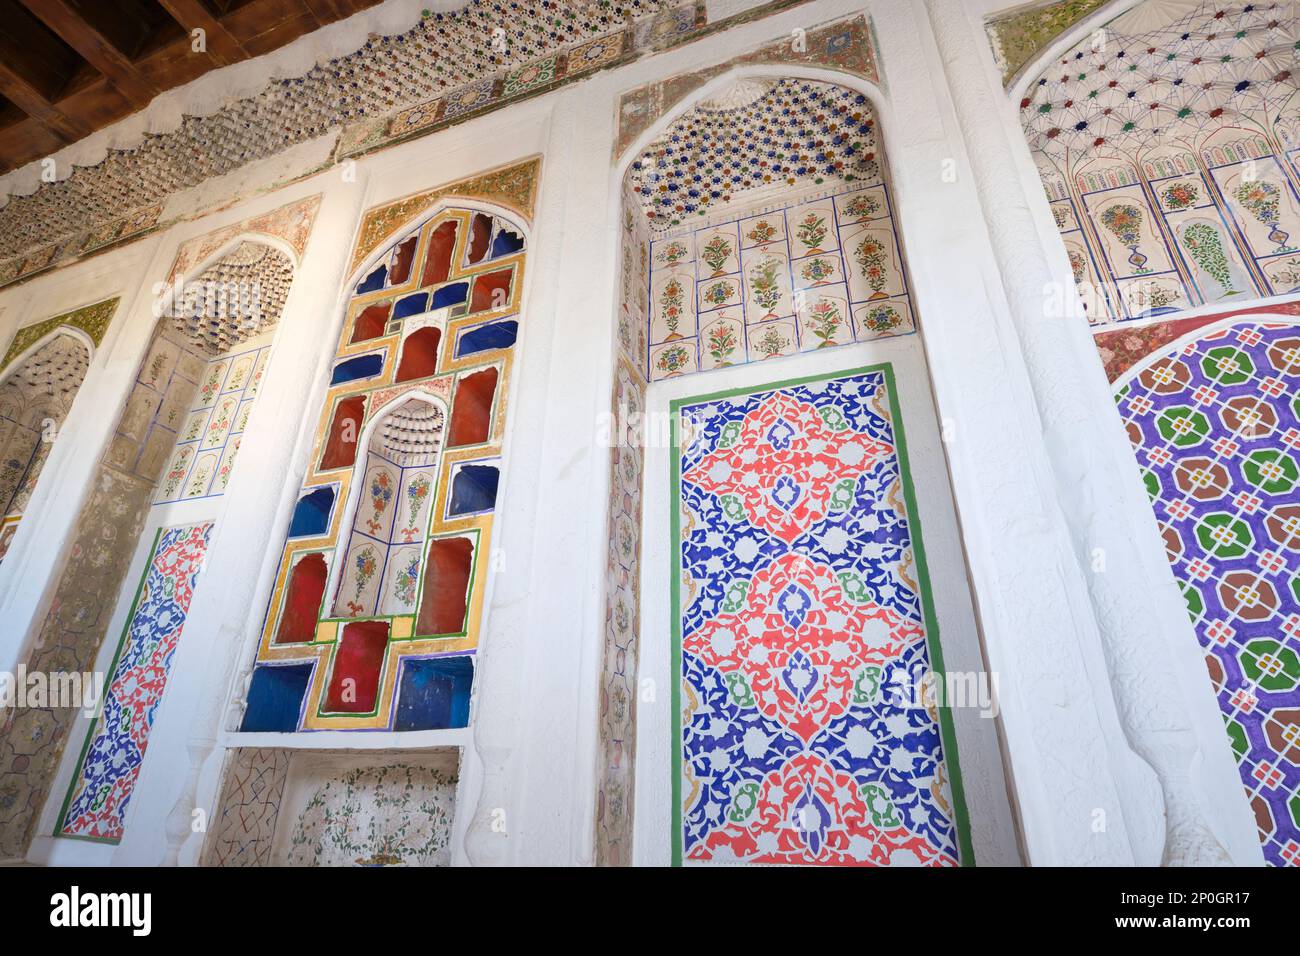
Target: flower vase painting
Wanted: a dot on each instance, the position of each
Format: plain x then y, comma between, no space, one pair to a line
1205,246
872,260
812,232
762,232
671,299
1263,200
825,319
1124,220
715,253
764,286
722,341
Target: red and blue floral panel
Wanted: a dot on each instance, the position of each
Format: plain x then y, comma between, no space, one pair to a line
97,800
804,625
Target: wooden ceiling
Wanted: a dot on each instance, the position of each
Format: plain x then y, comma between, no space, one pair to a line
70,67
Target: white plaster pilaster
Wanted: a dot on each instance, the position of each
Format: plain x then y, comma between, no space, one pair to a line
247,542
536,711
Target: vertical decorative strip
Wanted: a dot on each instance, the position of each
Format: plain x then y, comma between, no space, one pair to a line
95,808
618,679
805,635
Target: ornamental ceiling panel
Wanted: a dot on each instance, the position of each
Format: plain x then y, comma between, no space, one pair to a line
751,139
1175,81
445,68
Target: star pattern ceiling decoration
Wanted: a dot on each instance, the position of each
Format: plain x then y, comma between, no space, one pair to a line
798,133
1220,64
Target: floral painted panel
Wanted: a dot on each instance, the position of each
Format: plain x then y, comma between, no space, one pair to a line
372,810
1215,424
97,801
804,618
209,435
812,275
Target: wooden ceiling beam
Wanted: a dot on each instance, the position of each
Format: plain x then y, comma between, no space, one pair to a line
65,20
223,47
324,11
19,91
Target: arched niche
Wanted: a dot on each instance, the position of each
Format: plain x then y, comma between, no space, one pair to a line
391,483
209,356
786,243
760,234
36,393
394,565
232,300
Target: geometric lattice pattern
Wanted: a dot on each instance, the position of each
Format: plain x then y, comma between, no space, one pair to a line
759,135
1215,425
97,801
235,298
805,624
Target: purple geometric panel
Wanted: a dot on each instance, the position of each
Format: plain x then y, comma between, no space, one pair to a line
1215,425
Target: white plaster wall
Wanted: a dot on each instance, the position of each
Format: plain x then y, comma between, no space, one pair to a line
531,751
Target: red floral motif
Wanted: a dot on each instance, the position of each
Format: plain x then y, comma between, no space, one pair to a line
801,644
802,460
817,815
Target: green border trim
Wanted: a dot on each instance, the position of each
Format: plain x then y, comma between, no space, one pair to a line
103,694
947,734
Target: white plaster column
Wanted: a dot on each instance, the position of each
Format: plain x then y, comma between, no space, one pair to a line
534,717
248,539
1138,613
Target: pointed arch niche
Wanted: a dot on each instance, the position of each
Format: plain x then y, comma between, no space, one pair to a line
759,228
1168,154
376,612
189,402
36,393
